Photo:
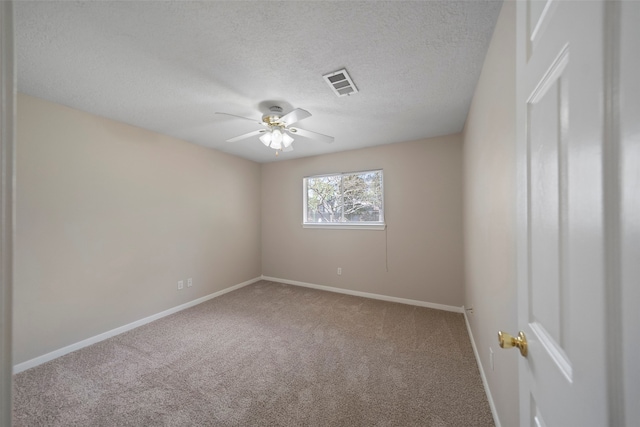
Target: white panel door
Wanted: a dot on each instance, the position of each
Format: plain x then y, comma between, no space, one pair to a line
561,127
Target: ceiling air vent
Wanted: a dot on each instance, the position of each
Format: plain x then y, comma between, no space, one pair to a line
341,83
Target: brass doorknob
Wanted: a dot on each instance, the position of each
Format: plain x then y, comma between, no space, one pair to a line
508,341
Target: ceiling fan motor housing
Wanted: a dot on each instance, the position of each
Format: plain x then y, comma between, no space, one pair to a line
273,117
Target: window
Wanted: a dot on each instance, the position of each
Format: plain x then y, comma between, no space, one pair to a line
345,200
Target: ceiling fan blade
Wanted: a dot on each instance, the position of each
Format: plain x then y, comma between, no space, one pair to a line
247,135
287,149
312,135
295,116
242,117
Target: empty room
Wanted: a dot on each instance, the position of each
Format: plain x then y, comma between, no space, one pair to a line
320,213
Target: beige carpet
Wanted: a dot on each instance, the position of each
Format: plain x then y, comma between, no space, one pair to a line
268,355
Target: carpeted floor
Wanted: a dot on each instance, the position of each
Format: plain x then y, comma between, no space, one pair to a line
268,355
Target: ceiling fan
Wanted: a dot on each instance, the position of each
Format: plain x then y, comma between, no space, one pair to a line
277,132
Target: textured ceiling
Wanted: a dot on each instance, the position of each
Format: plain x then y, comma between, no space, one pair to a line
169,66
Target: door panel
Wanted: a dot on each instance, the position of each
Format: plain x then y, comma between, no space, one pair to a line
546,111
536,420
539,13
547,134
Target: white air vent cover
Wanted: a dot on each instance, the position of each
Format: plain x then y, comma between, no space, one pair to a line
341,83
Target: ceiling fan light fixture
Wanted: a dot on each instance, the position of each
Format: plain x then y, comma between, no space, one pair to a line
265,138
276,136
286,140
275,139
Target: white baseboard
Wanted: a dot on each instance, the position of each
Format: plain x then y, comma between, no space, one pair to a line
492,405
368,295
103,336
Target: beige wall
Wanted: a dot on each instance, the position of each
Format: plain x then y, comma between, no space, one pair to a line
423,212
110,217
489,177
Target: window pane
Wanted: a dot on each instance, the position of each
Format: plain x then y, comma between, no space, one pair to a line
324,201
362,196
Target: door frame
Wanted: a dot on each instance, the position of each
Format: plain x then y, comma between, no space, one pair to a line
612,213
7,198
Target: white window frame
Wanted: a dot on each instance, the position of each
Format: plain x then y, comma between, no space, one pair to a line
359,225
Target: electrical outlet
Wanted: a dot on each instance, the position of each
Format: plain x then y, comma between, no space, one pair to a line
180,284
470,310
189,282
491,358
339,271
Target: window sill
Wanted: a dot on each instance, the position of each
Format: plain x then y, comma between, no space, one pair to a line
343,226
